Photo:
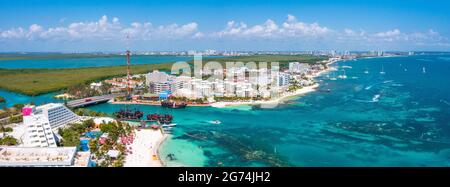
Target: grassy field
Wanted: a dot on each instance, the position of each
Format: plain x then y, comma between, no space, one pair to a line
41,81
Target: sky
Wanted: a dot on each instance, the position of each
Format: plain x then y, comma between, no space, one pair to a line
283,25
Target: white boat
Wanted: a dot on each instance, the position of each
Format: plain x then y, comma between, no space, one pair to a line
169,125
382,70
366,71
423,70
216,122
343,76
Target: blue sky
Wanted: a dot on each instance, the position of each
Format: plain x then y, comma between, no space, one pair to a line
224,25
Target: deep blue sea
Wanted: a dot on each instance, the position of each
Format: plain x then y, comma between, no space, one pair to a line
400,118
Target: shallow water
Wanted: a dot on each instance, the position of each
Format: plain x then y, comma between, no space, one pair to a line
400,118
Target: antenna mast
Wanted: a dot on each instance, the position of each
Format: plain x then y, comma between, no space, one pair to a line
128,68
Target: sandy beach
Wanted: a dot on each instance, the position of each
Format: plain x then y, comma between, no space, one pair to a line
287,95
270,102
145,145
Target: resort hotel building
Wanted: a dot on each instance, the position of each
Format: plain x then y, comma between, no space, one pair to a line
43,157
40,122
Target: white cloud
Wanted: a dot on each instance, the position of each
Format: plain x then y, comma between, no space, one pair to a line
291,31
290,28
103,29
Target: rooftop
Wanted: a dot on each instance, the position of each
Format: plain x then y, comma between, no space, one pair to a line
37,156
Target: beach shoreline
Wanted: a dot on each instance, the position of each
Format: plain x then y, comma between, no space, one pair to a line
145,148
286,96
223,104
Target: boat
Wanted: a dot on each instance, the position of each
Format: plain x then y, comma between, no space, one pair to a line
172,104
128,114
366,71
343,76
326,90
169,125
423,70
216,122
382,70
162,118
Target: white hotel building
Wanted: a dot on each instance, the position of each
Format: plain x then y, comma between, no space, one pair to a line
40,122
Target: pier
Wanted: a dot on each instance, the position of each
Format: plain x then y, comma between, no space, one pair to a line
92,100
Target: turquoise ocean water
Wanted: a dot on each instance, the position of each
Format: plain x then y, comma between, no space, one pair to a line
400,118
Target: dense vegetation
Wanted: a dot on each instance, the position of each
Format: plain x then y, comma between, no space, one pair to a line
87,112
5,129
8,140
40,81
2,100
71,134
13,114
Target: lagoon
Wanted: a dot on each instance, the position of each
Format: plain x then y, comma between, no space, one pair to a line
88,62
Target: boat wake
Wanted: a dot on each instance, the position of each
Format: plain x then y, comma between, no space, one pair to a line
398,85
388,81
376,98
444,101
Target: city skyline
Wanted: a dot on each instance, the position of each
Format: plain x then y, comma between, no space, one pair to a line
79,26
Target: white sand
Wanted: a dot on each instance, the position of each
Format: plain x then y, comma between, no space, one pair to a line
286,95
145,145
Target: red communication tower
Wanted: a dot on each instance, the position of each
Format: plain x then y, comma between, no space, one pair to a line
128,70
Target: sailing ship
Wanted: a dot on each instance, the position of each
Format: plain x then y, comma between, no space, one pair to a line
162,118
172,104
128,114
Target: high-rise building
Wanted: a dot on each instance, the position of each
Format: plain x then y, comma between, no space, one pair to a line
158,81
40,122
